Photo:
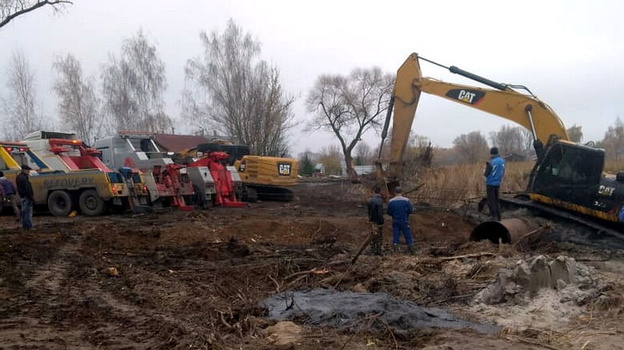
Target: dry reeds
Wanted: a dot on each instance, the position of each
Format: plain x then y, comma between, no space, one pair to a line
450,185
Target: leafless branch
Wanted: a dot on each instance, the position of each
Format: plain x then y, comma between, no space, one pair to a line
11,9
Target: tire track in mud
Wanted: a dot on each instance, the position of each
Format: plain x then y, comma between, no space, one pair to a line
64,298
41,293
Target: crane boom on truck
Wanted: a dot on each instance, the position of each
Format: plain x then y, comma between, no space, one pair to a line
566,175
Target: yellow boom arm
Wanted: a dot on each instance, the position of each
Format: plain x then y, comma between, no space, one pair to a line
525,110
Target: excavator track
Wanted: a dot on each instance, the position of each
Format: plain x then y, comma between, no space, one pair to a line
571,227
272,193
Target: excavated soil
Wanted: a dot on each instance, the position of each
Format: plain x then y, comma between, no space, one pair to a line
176,279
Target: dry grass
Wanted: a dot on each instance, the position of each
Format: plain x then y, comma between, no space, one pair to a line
451,185
456,184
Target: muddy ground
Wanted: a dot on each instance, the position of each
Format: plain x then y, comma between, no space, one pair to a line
175,280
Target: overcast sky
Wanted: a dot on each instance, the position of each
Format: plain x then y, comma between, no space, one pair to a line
569,53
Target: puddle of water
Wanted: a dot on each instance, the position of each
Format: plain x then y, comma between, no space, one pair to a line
328,307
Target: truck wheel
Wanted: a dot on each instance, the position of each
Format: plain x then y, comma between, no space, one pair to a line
197,199
91,204
60,203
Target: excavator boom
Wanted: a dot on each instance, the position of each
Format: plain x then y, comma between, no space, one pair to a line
503,101
566,175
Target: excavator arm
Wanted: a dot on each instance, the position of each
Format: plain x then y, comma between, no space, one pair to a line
566,175
503,101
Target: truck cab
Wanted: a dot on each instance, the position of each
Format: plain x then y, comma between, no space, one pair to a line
168,183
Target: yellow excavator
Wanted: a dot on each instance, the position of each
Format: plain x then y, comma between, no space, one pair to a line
567,180
262,177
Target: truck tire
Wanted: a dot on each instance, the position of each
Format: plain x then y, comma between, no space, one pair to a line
90,203
60,203
197,199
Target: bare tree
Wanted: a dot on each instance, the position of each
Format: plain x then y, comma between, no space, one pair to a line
78,106
575,132
11,9
20,104
238,94
330,158
418,154
363,154
613,141
349,106
133,87
471,147
510,140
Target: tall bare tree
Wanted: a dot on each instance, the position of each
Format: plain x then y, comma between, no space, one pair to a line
232,90
19,107
471,147
78,106
349,106
133,87
511,139
11,9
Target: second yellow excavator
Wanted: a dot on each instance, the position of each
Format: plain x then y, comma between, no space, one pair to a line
567,179
262,177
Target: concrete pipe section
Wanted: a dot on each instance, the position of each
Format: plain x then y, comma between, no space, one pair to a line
506,231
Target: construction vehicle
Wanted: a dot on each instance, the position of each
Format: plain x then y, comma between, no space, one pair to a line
64,152
263,177
225,181
169,184
91,191
567,180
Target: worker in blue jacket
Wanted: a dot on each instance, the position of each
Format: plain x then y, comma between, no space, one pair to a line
400,209
494,173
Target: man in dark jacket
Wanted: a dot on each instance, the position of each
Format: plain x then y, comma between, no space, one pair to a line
25,191
8,193
375,216
400,209
494,172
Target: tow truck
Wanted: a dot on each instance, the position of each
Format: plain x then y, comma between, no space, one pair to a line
60,192
169,184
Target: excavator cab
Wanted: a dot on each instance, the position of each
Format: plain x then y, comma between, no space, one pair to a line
569,172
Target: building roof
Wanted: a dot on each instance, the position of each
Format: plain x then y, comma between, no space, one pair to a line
177,143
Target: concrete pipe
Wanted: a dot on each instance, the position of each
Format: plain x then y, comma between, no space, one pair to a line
507,231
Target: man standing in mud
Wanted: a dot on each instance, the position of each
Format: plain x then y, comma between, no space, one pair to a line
494,172
375,216
8,193
400,209
25,191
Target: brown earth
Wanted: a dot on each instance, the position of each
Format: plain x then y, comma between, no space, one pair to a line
196,279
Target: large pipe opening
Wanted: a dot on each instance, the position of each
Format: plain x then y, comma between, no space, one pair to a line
506,231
